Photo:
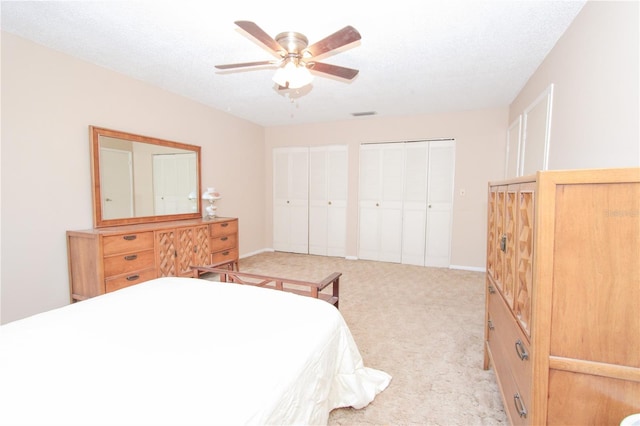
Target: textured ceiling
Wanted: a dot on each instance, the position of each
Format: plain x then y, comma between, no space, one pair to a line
422,56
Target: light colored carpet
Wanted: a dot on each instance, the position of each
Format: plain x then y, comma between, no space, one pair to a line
423,326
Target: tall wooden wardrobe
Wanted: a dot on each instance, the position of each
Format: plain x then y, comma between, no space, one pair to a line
563,296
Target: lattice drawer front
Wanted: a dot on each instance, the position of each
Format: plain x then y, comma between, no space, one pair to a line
510,249
499,268
166,254
202,241
524,282
491,235
202,255
187,248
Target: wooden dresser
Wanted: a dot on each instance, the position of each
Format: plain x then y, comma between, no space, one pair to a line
107,259
563,296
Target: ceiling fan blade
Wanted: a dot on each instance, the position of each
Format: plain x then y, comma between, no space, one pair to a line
260,35
245,64
338,71
338,39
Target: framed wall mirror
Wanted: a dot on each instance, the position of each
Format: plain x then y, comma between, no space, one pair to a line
141,179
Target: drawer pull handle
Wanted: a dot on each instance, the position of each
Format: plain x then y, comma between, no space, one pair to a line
492,290
225,253
503,243
131,257
522,410
133,277
521,350
130,237
491,326
224,225
224,238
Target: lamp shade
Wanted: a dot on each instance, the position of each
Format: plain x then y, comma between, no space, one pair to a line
292,76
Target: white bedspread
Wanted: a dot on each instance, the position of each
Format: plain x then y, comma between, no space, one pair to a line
183,351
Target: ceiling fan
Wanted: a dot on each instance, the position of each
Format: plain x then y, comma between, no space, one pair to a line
296,57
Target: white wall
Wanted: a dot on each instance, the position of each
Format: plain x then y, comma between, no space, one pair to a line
48,101
594,69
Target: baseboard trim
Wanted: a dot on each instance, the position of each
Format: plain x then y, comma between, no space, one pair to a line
459,267
253,253
468,268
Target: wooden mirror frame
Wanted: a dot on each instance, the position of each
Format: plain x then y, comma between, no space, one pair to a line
98,220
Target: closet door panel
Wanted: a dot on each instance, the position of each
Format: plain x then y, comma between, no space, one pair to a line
369,235
318,204
415,203
337,229
440,203
299,227
290,199
413,235
328,177
381,189
390,222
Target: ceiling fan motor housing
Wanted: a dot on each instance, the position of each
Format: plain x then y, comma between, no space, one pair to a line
292,42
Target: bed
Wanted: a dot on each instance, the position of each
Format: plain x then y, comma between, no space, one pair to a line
183,351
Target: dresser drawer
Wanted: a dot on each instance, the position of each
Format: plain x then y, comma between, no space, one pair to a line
130,262
127,243
507,338
137,277
515,405
223,243
218,229
223,256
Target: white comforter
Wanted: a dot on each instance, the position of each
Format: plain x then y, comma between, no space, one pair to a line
183,351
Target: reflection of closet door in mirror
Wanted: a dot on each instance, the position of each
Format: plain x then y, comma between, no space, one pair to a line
117,190
173,177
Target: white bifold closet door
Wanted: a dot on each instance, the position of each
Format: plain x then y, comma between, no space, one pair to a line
406,199
439,203
291,199
328,176
380,203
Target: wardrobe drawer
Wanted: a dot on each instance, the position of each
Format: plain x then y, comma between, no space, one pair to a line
130,262
127,243
224,242
218,229
512,343
137,277
223,256
517,407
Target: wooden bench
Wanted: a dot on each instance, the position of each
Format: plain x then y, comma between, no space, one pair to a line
305,288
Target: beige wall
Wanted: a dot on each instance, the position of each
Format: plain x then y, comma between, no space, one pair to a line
480,141
594,69
48,101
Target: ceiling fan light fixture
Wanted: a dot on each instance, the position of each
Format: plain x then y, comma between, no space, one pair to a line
292,76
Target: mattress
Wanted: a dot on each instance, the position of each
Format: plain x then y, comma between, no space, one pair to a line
183,351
